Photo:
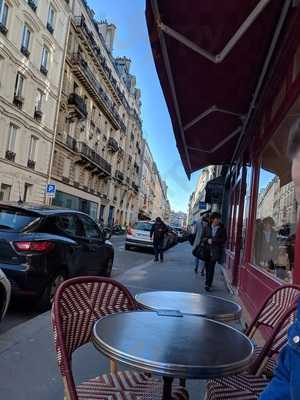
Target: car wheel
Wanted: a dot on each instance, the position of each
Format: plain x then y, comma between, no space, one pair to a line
46,300
127,247
109,266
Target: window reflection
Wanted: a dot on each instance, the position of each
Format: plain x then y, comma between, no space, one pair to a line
275,226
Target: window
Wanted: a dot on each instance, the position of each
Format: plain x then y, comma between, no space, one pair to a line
276,217
27,191
69,224
45,60
32,148
3,16
5,192
39,100
12,135
19,85
25,41
50,20
90,228
33,4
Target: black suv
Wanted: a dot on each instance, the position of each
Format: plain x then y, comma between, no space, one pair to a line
41,246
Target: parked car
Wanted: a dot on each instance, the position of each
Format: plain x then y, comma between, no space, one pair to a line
5,291
139,236
181,234
42,246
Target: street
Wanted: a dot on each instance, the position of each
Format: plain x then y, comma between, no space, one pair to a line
20,311
31,343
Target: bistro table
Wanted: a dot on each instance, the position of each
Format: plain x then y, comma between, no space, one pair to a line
173,345
191,304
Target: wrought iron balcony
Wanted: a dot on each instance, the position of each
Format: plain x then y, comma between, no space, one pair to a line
3,29
119,175
25,51
50,28
10,155
38,114
18,101
112,145
31,164
44,70
93,86
77,106
92,159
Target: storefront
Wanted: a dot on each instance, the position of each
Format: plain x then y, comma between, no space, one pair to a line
76,203
230,73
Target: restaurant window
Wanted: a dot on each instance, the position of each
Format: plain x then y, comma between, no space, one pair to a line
276,215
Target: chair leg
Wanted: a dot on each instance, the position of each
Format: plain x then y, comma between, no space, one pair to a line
113,366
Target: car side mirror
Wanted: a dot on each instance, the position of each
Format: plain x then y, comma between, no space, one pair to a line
106,234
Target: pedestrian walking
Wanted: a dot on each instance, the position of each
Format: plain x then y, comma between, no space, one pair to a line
199,228
158,231
214,235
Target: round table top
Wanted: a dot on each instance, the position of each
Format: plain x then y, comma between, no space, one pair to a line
178,345
191,303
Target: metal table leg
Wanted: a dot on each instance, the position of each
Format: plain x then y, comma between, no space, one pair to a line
167,389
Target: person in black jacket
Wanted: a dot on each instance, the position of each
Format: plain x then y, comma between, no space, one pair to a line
158,232
215,236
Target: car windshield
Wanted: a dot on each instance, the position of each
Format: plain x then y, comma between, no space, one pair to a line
142,226
15,219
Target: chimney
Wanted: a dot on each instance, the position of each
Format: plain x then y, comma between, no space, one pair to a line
108,32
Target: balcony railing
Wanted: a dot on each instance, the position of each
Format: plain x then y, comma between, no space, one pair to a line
95,50
10,155
32,5
31,164
78,106
91,154
96,90
87,154
119,175
38,114
112,145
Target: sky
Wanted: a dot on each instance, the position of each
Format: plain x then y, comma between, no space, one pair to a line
132,41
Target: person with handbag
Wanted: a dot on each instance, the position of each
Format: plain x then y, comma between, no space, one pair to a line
214,237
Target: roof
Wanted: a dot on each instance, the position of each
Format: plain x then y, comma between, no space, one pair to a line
212,57
39,208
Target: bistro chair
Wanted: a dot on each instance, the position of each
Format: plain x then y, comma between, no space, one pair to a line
78,304
268,316
248,386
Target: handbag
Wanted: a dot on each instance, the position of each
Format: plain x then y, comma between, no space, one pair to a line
202,251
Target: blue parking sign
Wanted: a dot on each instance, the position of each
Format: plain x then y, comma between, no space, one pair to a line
51,190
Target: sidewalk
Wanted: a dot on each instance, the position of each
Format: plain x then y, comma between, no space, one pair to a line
27,359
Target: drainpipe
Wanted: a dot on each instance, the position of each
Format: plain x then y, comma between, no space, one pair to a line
58,107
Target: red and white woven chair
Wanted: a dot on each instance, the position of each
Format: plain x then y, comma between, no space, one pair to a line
268,316
249,386
78,303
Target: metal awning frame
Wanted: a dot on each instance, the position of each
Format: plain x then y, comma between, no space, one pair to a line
162,28
220,57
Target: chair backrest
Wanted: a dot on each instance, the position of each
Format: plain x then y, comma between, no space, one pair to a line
274,308
78,304
276,342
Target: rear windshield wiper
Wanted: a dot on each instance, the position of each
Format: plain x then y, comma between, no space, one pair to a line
5,227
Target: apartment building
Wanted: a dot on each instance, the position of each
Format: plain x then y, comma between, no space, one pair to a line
32,41
97,156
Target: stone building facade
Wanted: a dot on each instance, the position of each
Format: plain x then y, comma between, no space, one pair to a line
97,155
32,41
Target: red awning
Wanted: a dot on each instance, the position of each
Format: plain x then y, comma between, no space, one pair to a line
210,55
